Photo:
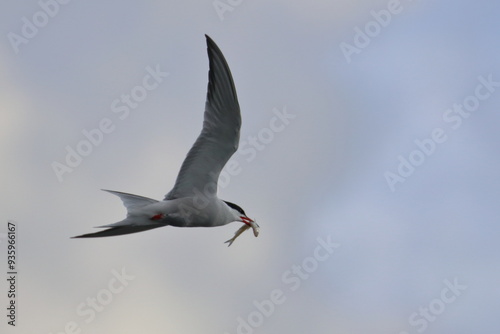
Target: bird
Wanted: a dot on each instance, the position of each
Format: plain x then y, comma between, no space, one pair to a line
193,201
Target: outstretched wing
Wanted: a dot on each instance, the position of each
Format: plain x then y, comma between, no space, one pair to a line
120,230
219,137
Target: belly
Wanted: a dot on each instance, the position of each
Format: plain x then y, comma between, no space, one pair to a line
185,212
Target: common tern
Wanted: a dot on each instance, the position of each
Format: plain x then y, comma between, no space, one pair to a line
193,201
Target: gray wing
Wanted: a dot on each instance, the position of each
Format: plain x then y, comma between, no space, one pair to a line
219,137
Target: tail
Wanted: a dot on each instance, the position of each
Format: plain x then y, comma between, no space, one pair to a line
132,201
125,226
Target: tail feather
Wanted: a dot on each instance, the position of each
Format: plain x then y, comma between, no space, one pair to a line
132,201
128,225
120,230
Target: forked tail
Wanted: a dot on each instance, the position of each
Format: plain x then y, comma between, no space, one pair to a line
125,226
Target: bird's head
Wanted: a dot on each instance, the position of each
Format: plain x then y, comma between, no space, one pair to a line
240,216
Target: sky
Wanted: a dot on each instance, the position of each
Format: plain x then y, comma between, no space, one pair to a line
368,156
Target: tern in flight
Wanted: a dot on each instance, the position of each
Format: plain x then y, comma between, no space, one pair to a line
193,201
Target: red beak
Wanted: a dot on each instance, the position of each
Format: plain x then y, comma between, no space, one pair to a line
246,220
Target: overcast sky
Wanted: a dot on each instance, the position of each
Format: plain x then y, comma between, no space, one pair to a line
369,157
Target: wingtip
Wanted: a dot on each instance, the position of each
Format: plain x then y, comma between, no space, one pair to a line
91,235
209,40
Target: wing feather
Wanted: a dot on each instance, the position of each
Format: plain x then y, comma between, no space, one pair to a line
220,135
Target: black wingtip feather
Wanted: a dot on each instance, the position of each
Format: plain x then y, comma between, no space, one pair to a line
120,230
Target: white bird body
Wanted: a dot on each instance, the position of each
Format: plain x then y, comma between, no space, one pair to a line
193,200
178,212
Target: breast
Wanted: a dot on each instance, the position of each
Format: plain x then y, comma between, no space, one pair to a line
188,212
